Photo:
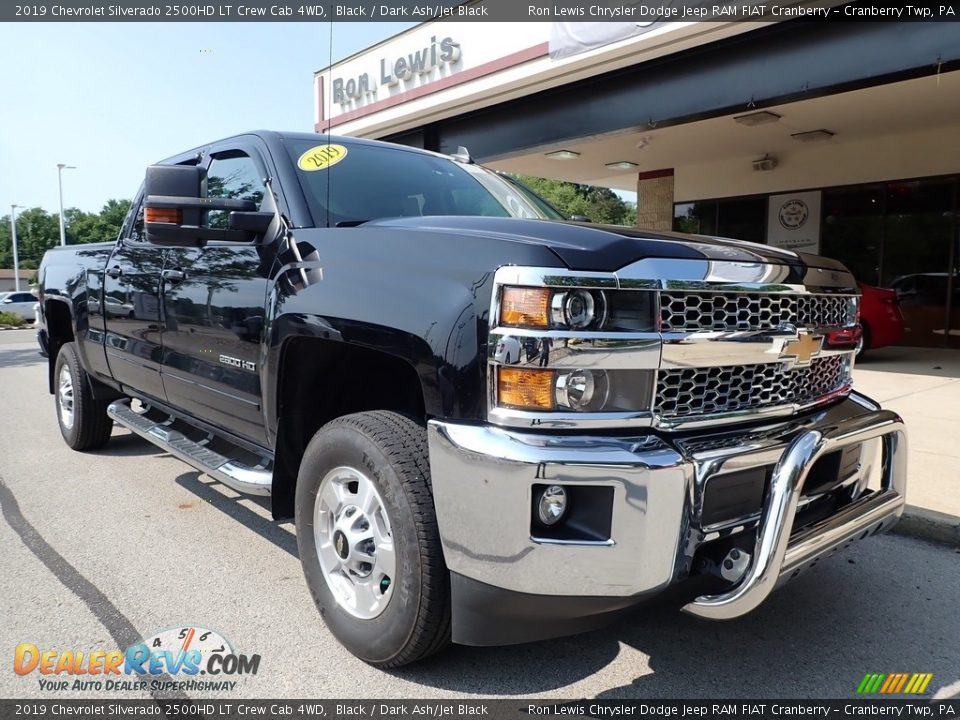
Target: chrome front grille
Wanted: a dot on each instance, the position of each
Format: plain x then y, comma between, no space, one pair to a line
687,392
682,311
695,343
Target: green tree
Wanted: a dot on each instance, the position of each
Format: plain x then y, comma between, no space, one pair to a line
38,231
104,226
112,215
81,227
600,204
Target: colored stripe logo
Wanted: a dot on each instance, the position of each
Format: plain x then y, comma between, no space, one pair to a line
894,683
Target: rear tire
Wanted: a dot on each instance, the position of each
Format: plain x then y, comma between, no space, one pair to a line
364,509
83,420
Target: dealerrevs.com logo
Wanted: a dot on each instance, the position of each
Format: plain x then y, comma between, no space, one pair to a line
173,659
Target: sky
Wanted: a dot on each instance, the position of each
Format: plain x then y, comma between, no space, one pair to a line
112,98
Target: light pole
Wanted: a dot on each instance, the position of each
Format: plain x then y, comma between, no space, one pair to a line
60,168
13,234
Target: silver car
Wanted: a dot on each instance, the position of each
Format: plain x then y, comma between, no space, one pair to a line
20,303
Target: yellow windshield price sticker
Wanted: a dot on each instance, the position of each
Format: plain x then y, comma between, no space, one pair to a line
320,157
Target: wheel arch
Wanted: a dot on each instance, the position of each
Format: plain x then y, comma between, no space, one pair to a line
319,379
58,323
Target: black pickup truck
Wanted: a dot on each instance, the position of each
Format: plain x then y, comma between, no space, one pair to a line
491,425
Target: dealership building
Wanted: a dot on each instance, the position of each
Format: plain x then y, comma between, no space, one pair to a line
837,137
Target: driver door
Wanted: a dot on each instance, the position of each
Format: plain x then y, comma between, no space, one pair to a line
131,310
213,304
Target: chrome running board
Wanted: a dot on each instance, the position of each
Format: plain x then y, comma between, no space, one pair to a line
249,480
776,556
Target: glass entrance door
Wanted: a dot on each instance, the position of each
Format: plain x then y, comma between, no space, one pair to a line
905,236
918,244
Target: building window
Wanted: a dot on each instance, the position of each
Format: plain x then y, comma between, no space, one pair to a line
852,230
699,218
741,219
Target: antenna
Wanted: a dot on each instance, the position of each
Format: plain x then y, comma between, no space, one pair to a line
329,104
462,155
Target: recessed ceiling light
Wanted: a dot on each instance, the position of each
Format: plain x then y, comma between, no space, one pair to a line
621,165
813,135
758,118
563,155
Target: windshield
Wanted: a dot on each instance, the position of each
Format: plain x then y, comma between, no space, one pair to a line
351,184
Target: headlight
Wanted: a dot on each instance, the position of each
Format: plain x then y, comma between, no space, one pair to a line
588,391
566,349
546,308
577,309
582,390
542,308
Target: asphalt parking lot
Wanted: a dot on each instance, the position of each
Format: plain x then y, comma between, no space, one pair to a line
104,548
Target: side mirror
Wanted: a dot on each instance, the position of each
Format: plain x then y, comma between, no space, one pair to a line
253,222
176,207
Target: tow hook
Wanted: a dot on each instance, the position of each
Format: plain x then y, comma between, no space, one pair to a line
735,565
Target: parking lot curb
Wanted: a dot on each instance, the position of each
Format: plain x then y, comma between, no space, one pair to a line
929,525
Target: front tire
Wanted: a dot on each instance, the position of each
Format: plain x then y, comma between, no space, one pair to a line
83,419
368,538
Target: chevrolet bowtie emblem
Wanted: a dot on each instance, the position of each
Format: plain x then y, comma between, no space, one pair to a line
803,349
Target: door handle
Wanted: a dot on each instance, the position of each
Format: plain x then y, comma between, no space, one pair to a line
173,276
115,271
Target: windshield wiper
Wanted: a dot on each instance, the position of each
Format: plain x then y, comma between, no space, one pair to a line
351,223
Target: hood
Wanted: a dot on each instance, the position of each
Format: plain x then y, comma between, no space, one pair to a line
606,248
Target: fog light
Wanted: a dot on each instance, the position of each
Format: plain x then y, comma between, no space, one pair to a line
553,504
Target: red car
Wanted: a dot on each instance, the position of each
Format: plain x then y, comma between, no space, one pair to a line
881,322
880,318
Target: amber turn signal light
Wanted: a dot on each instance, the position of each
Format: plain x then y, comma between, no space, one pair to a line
525,307
525,389
163,215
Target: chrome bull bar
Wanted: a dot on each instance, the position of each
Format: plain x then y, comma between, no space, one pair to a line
777,555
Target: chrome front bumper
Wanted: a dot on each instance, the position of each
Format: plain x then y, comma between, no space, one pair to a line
483,478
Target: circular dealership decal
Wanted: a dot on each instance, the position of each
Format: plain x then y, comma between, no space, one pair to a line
793,214
204,641
320,157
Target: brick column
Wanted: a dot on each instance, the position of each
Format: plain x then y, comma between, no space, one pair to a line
655,199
